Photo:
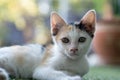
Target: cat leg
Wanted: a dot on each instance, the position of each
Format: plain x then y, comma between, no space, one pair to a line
3,74
51,74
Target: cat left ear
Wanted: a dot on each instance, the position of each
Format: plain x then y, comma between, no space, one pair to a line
89,20
56,23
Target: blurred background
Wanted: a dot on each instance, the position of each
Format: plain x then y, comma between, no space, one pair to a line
28,21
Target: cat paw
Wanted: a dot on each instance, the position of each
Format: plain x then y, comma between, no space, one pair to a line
73,78
3,75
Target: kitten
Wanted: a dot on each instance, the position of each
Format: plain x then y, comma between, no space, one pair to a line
65,60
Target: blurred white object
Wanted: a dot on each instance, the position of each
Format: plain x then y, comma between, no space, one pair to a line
94,60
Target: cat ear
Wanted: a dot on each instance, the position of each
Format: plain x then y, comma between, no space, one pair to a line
89,20
56,23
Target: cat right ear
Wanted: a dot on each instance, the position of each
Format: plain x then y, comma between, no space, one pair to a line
56,23
89,19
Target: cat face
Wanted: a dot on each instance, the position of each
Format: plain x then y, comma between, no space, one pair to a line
73,40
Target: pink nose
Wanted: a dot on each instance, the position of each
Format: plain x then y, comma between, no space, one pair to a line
73,50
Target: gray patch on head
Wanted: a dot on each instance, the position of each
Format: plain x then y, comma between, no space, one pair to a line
82,27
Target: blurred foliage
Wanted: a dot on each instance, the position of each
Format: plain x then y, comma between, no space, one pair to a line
14,10
83,5
2,32
26,16
115,7
99,5
55,4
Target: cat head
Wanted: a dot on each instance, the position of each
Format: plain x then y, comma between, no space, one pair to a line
73,40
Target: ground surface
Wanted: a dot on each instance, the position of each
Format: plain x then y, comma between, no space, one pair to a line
103,73
99,73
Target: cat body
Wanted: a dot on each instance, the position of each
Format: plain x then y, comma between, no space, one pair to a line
65,60
20,61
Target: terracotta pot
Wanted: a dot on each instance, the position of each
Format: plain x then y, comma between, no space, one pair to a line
106,42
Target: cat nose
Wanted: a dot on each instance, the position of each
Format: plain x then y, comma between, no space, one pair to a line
73,50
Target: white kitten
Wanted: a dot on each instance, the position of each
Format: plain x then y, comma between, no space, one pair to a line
65,60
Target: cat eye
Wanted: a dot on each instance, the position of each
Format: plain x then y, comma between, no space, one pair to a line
82,39
65,40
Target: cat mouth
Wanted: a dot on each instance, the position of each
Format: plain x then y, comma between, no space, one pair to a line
74,54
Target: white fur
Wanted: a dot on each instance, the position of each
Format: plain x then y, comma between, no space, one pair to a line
27,61
32,57
62,66
58,67
3,73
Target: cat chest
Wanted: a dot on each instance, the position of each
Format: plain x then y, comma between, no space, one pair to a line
72,68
